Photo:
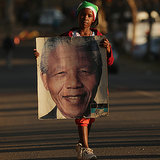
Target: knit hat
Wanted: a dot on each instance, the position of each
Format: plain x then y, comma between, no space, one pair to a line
89,5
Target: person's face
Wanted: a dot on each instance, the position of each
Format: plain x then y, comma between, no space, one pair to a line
85,18
72,80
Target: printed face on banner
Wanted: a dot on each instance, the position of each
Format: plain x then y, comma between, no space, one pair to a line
71,73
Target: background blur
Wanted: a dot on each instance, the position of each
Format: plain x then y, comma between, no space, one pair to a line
132,25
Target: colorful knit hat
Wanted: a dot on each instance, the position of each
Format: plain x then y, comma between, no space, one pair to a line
89,5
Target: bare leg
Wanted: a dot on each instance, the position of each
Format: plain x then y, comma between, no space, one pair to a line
83,135
83,151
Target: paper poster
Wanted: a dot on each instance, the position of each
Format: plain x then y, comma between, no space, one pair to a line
71,77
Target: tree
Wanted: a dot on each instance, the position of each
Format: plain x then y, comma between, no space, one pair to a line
133,7
149,7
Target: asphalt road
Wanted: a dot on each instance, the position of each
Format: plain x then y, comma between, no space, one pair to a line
130,132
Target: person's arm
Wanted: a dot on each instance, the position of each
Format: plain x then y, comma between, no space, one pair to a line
107,45
110,58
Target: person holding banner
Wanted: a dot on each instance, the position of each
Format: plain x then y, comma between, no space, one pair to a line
87,14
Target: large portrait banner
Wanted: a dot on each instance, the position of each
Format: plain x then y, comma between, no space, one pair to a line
72,78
